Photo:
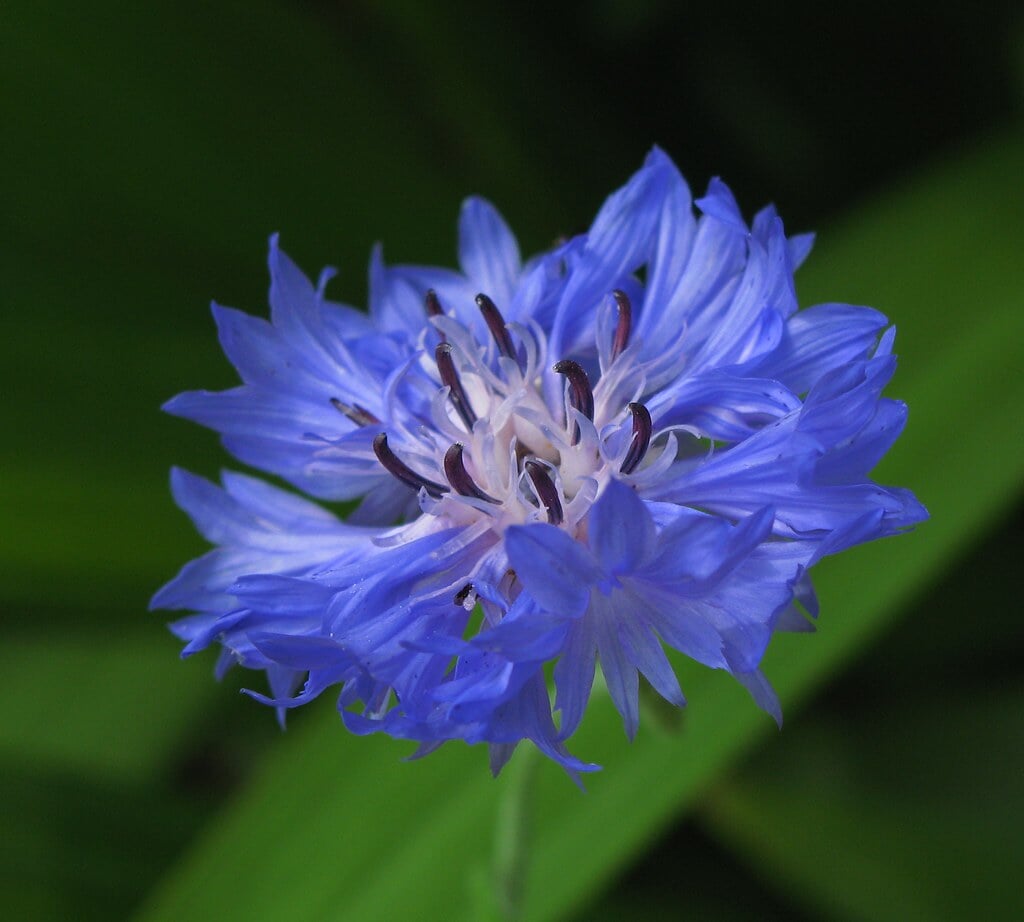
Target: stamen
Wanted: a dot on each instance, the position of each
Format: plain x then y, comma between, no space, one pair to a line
463,594
496,324
458,476
433,305
546,490
580,395
624,324
434,309
642,427
401,471
359,415
449,376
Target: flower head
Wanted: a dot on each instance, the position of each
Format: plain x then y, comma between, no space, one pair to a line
633,441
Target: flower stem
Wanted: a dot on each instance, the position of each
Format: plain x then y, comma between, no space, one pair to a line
511,834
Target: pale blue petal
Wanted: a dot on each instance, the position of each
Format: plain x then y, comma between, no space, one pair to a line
722,405
620,674
719,203
854,458
800,246
301,652
574,674
819,339
696,551
762,692
488,252
644,651
679,623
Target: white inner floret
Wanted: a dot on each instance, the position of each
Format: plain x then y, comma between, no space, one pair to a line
498,450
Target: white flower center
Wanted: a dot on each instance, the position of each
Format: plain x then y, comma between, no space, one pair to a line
511,441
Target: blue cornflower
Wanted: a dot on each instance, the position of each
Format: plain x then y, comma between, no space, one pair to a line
633,441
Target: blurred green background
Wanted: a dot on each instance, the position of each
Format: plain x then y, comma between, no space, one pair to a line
150,150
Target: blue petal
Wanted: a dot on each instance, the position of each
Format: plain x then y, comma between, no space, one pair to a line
762,692
617,244
256,349
803,592
293,299
719,203
199,631
488,252
619,673
675,620
215,515
301,652
535,637
262,529
528,716
691,306
644,651
283,682
284,509
799,248
746,324
697,550
479,677
676,232
621,530
201,585
254,514
743,609
819,339
574,674
722,405
863,528
777,466
624,226
388,502
854,459
791,619
269,431
287,596
398,293
555,570
781,291
844,400
394,304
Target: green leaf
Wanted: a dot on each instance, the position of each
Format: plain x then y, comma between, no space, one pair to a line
899,795
913,816
117,707
334,828
84,848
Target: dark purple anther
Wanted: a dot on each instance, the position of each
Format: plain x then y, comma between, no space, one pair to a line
450,377
400,471
433,305
546,490
463,594
356,413
458,476
434,309
625,321
580,395
496,324
641,438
